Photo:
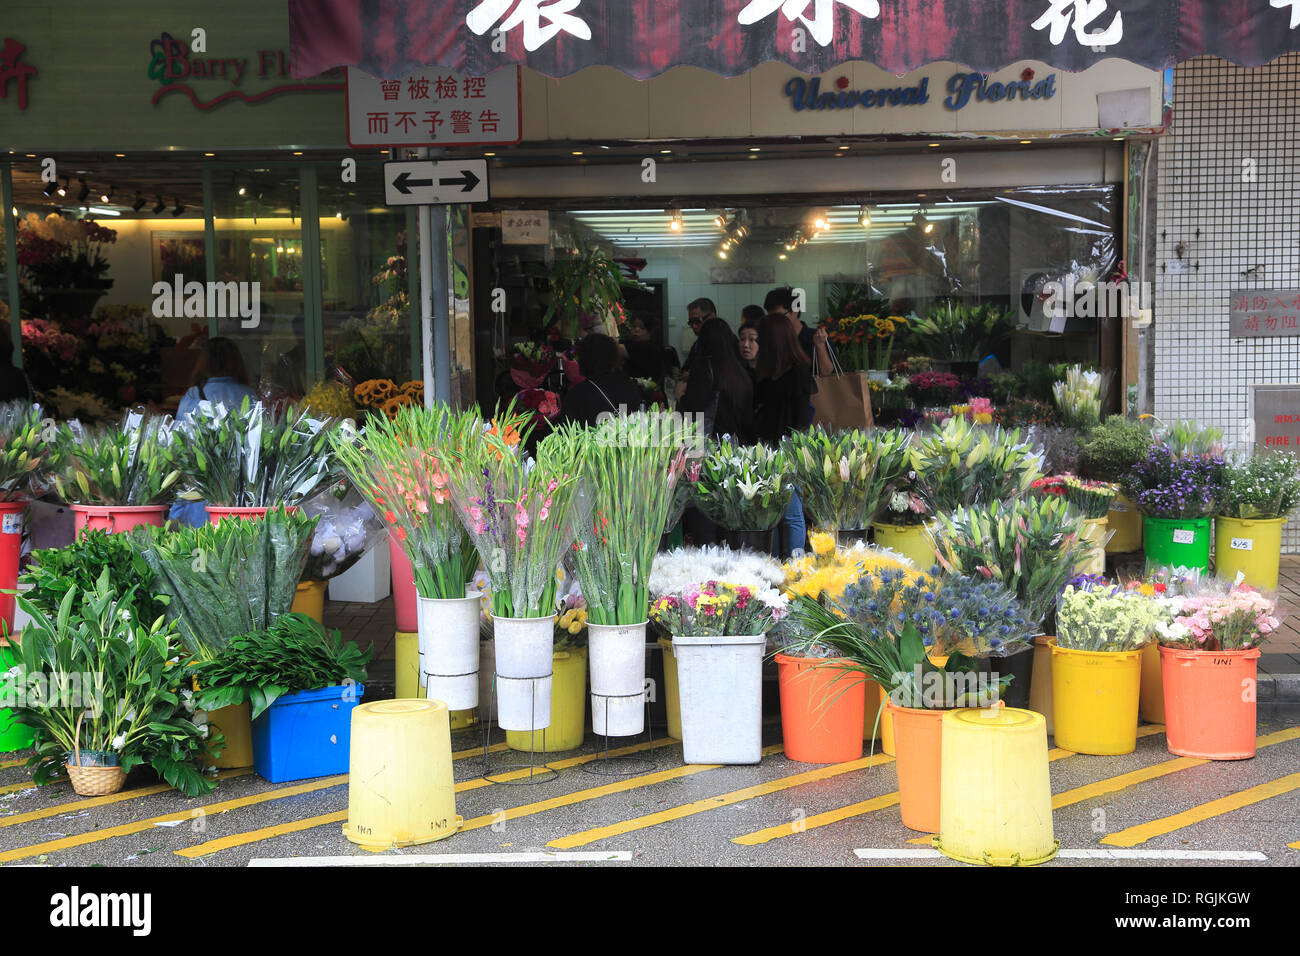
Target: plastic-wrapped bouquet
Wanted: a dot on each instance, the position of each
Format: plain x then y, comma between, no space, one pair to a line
824,574
1214,619
744,487
843,476
347,529
131,465
903,504
960,464
1078,397
1108,618
714,590
1164,485
22,449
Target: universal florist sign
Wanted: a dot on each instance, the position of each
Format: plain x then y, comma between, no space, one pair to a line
962,89
643,38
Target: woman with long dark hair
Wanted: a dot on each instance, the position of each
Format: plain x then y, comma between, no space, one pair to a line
719,386
784,375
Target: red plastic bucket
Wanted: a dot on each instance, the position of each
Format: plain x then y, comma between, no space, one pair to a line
117,519
403,586
1209,702
11,543
215,514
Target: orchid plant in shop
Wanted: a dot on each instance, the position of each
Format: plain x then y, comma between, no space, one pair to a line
744,487
1108,618
24,444
630,467
843,477
253,456
133,464
520,513
959,463
1031,545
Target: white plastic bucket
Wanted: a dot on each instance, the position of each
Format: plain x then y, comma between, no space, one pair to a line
720,683
448,640
617,655
524,648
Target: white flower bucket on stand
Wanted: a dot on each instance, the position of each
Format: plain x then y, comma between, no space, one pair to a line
720,686
524,652
448,643
617,655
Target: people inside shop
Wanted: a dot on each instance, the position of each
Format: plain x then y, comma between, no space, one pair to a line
752,314
719,386
643,356
220,379
814,342
697,313
604,389
748,340
13,381
783,400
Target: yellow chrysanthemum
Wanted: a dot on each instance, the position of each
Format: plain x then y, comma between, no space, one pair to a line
822,542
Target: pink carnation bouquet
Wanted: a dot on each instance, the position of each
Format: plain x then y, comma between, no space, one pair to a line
1239,619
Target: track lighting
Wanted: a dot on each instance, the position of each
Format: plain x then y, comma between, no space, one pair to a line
106,196
864,218
139,201
179,207
50,189
159,206
63,190
83,192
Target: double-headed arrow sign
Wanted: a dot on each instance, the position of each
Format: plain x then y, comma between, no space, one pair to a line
427,183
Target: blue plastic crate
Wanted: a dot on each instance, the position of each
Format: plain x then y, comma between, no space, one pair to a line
307,734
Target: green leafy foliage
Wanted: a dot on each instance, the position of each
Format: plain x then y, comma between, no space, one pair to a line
958,332
54,571
93,676
843,477
294,654
1111,449
227,579
136,464
587,281
23,449
958,463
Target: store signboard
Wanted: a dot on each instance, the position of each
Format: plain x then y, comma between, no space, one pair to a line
434,108
1277,417
1257,313
526,227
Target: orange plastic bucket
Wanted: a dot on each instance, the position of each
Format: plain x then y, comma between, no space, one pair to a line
1151,696
918,735
822,709
1209,702
115,519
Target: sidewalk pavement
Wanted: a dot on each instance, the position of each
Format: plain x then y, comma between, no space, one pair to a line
1279,665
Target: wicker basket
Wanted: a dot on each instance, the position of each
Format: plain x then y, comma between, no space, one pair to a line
92,781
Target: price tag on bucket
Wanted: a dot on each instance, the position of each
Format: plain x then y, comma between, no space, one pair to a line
1184,536
1243,544
12,524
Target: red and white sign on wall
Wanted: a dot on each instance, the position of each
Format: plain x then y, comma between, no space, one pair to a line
434,107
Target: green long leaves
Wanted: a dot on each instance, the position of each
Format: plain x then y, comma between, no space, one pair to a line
843,477
744,487
228,579
959,464
956,332
23,448
255,457
135,464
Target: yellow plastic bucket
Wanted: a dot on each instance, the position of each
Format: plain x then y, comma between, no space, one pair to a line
237,725
1094,534
1126,521
1095,700
407,653
401,789
912,541
886,724
309,599
995,795
1151,698
1250,546
672,697
1040,685
568,706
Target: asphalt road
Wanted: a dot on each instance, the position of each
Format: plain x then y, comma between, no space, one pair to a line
657,811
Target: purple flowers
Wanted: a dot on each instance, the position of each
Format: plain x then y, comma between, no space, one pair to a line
1166,486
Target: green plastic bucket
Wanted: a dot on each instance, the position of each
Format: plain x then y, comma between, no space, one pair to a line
1177,542
13,735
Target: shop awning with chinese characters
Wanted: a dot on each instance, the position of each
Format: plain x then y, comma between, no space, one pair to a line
643,38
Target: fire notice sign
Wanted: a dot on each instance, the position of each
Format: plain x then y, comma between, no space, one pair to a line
1255,313
1277,417
434,107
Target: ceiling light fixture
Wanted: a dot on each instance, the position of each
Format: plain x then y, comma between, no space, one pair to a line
722,254
139,201
159,206
107,195
179,207
67,184
864,218
50,189
821,224
83,192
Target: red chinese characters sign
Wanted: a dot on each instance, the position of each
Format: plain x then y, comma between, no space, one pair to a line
433,108
1258,313
13,70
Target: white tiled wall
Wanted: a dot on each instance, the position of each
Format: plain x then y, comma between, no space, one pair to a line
1225,115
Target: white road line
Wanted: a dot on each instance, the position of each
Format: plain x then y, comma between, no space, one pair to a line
1104,854
448,859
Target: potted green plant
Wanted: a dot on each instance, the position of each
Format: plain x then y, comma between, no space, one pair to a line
1107,453
745,489
585,281
1178,497
223,580
117,478
102,688
300,683
1259,493
718,627
630,466
843,477
242,461
920,638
